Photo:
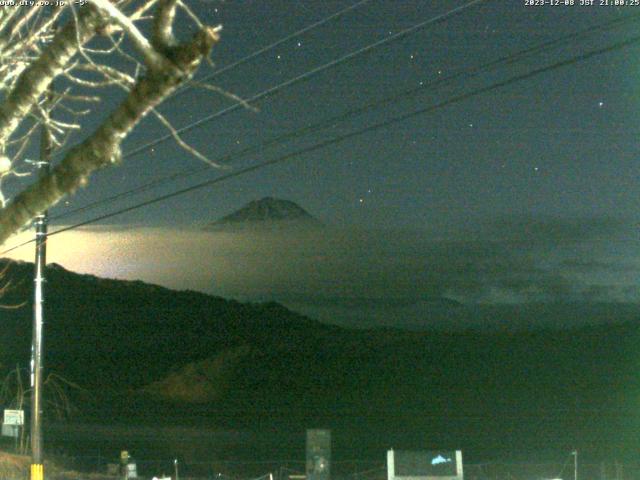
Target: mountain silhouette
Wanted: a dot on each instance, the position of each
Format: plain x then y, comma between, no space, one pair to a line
266,212
144,352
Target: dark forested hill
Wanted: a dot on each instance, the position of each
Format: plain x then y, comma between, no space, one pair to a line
241,363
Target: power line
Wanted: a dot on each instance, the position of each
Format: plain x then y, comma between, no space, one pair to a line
308,74
304,76
273,45
189,84
465,74
355,133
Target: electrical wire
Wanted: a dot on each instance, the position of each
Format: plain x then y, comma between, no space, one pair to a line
339,139
308,74
464,74
271,46
190,83
272,90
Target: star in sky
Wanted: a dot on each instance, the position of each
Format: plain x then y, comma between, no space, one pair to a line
504,112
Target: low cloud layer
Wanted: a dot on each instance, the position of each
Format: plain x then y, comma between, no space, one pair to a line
362,277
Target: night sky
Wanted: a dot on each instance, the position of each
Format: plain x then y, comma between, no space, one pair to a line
523,194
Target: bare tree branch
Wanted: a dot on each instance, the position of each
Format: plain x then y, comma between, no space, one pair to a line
176,136
102,148
87,54
36,78
163,24
152,59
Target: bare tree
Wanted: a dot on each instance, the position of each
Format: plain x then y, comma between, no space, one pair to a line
14,394
89,49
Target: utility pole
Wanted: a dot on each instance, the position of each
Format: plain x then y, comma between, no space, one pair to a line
575,464
37,468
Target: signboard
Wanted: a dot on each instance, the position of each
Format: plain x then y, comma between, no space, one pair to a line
14,417
10,430
318,454
424,465
132,471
